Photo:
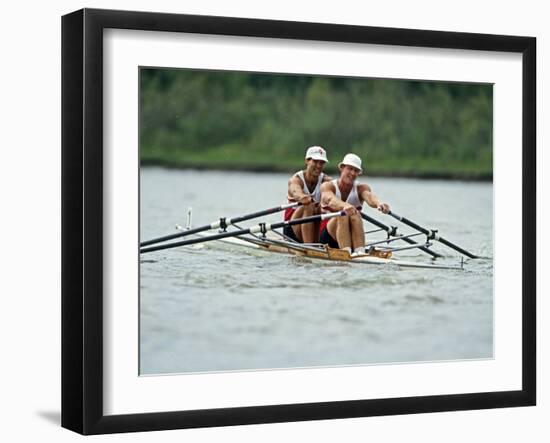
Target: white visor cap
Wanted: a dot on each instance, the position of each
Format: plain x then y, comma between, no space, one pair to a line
316,153
351,160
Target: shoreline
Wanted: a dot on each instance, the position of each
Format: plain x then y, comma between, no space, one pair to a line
423,175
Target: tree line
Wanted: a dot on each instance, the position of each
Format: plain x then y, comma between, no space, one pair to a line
240,120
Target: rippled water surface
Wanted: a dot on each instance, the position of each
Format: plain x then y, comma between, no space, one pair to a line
216,308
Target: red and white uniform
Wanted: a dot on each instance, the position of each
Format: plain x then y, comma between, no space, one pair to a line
353,199
316,194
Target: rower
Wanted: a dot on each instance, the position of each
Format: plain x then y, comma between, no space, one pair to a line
304,187
347,194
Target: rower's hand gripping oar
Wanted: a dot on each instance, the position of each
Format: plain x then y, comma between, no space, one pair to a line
222,223
431,234
260,228
392,232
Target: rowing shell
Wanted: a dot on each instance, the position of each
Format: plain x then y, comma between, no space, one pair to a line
340,255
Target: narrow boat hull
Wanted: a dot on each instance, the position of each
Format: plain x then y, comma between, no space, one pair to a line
282,247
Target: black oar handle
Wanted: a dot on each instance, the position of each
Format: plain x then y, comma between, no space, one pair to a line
223,223
392,231
260,228
431,234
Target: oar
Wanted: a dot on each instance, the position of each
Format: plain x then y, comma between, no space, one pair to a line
431,234
222,222
392,231
260,228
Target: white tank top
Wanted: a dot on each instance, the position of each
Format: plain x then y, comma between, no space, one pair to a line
316,194
353,197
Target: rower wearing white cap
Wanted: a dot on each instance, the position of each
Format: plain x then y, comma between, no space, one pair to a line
305,187
346,193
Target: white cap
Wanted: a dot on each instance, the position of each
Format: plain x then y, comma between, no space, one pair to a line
316,153
351,160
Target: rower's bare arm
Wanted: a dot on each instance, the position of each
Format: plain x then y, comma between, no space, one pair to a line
371,199
296,191
329,200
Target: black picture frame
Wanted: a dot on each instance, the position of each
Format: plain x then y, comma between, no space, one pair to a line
82,220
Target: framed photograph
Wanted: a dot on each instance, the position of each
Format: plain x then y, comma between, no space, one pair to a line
268,221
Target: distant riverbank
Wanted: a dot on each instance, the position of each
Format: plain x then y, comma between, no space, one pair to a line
409,170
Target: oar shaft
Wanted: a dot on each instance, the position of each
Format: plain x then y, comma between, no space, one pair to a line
260,213
260,228
410,223
175,235
376,223
214,225
423,248
390,231
192,241
432,234
455,247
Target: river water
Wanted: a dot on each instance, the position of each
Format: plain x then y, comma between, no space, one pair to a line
209,308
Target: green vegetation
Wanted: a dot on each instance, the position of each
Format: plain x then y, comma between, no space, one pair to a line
232,120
